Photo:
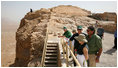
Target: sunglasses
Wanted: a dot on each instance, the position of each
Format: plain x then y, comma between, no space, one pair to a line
79,29
88,30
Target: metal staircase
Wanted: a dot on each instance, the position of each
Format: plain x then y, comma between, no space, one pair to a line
51,56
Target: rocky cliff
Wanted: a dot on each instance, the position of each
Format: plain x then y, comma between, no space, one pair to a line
70,10
106,16
30,38
31,33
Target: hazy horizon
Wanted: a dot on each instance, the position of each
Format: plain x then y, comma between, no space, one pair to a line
16,10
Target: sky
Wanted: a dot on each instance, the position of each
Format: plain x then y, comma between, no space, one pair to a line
16,10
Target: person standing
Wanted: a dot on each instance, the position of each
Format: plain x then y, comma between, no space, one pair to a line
96,26
82,50
76,43
115,40
31,10
100,31
74,32
94,45
72,46
67,34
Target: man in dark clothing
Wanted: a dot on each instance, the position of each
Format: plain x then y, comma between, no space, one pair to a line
115,40
72,43
76,43
31,10
79,29
100,31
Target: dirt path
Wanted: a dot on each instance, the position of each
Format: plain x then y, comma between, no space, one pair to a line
109,56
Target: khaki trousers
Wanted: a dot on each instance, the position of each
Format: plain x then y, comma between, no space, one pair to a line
92,60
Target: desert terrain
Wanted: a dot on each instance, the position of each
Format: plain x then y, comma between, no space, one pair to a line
29,26
8,43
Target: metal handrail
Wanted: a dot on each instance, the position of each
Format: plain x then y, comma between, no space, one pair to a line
68,48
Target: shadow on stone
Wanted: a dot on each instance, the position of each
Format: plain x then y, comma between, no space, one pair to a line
110,51
12,65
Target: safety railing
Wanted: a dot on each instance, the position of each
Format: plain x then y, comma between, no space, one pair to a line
64,44
58,56
44,49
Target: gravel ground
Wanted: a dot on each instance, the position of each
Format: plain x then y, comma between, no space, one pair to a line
109,56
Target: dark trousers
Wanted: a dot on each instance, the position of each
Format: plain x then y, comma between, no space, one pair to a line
100,36
115,43
74,60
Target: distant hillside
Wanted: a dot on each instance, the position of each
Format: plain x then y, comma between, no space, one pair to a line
8,25
70,10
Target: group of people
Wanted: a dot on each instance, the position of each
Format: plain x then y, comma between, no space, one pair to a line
87,47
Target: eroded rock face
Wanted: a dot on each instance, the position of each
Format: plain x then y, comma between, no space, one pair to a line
70,10
31,33
110,27
107,16
30,38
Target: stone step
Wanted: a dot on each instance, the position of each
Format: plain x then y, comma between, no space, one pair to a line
51,65
51,54
51,50
53,45
50,57
50,61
